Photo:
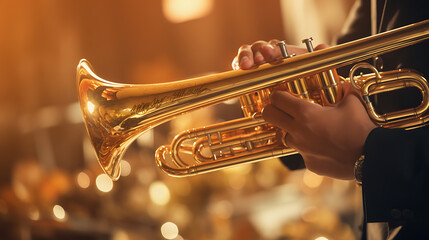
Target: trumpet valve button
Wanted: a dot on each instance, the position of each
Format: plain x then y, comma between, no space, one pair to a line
308,43
283,50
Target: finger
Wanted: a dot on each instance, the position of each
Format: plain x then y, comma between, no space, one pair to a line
290,104
278,118
271,51
346,89
291,49
245,57
321,46
257,55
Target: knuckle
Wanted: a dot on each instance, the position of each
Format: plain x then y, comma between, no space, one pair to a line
273,41
244,53
244,48
258,44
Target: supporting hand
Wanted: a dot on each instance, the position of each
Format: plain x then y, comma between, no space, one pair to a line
330,138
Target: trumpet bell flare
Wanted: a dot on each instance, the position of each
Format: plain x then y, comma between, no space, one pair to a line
108,148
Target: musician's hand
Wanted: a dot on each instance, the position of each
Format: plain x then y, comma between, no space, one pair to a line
260,52
329,138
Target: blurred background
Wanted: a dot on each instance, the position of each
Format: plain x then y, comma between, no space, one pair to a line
51,186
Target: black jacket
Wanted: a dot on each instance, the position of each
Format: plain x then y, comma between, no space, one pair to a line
396,169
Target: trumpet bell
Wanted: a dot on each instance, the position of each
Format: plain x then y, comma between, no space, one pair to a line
99,122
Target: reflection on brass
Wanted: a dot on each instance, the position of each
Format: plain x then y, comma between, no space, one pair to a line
116,114
157,102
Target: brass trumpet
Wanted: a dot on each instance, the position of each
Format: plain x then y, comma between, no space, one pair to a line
116,114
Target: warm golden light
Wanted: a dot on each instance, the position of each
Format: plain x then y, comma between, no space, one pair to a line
237,182
120,235
237,176
34,214
104,183
27,176
125,168
222,209
91,107
83,180
231,102
321,238
147,139
59,212
169,230
180,214
73,113
159,193
266,177
21,191
178,11
311,179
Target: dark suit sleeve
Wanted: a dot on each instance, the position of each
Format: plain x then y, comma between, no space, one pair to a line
360,26
395,175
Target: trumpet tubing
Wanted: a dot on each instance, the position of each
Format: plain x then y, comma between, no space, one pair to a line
116,114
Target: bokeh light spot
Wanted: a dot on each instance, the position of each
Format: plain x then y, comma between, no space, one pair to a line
34,214
169,230
104,183
321,238
159,193
125,168
59,212
311,179
83,180
178,11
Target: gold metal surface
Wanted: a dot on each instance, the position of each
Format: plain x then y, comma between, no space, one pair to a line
116,114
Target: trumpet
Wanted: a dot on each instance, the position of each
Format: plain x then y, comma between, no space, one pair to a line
116,114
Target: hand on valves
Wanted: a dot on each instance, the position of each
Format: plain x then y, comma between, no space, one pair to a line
329,138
